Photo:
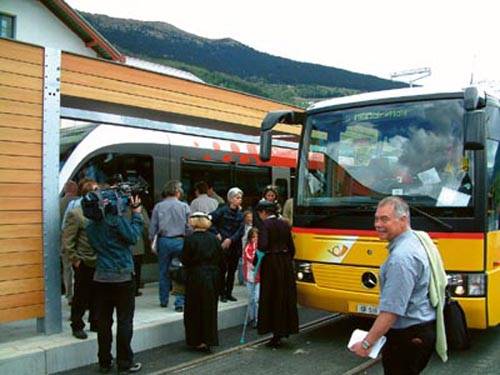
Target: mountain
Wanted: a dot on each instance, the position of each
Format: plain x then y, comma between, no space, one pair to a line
228,63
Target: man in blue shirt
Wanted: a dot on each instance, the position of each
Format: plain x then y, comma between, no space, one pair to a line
406,317
169,222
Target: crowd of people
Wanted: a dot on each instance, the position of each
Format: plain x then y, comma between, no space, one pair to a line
208,238
211,238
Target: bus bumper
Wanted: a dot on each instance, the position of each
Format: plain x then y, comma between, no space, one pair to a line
334,300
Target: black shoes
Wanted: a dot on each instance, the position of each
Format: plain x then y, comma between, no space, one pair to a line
138,294
136,367
223,299
203,349
274,343
164,304
231,298
179,309
80,334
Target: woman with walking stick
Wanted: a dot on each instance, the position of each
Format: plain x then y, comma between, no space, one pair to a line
278,293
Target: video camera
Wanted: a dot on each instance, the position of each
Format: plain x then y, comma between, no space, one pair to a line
113,200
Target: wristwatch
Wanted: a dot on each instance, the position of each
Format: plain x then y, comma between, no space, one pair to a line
365,344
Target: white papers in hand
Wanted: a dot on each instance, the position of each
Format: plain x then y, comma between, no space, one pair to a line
359,335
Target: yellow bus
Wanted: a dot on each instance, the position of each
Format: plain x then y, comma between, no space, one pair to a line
439,150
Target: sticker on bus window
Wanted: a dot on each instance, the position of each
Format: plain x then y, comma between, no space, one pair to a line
317,134
429,177
317,148
452,198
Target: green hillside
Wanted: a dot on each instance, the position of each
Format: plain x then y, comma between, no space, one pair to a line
228,63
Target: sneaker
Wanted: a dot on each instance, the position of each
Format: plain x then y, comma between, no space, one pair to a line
231,298
80,334
179,309
136,367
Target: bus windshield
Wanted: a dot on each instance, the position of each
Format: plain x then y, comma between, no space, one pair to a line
414,150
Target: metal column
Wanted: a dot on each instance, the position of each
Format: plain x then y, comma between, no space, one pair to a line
52,321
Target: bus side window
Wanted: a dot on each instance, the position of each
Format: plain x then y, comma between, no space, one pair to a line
493,173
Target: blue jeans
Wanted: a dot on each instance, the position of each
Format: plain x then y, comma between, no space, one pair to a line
253,301
168,248
240,271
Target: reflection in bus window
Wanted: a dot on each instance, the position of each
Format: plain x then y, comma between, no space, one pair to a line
413,150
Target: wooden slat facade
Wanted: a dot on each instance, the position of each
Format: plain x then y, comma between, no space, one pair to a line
21,245
119,84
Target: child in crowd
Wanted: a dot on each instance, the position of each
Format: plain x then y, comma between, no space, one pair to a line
252,278
248,222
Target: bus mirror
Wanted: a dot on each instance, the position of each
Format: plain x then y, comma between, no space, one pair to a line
265,145
281,117
269,122
471,98
474,130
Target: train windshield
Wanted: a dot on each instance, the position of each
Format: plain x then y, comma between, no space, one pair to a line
414,150
72,133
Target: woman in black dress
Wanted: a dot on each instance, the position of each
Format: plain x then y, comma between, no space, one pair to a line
278,293
202,258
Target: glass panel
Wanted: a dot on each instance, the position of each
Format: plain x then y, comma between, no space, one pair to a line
493,178
252,180
413,150
72,133
194,171
6,26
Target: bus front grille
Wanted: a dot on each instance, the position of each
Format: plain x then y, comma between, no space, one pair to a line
348,278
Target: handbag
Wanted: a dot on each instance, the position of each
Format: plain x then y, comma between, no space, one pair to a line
176,271
455,324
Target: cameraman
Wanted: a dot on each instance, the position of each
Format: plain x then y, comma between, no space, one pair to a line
112,238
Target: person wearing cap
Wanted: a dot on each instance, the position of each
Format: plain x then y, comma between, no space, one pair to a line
228,226
202,259
278,293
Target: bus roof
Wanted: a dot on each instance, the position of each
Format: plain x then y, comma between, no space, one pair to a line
387,94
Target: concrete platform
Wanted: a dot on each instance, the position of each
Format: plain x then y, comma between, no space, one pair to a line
24,351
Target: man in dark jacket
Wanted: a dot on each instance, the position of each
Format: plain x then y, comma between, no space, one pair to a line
112,238
228,226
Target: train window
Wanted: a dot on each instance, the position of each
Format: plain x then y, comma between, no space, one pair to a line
252,180
282,185
216,173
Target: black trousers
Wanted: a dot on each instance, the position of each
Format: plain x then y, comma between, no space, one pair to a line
83,297
231,264
137,271
119,296
408,350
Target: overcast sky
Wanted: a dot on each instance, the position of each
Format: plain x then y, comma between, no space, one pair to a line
379,37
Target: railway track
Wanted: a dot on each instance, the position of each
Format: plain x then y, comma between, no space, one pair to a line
306,327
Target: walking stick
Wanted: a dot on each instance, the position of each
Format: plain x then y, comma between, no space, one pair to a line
259,254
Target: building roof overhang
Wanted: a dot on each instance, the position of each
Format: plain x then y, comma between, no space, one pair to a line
90,36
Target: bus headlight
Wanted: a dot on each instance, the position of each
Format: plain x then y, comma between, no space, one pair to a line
303,271
467,284
476,284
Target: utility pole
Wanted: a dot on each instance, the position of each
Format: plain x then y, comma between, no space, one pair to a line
421,72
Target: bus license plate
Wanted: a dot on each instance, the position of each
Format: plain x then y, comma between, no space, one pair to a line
367,309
